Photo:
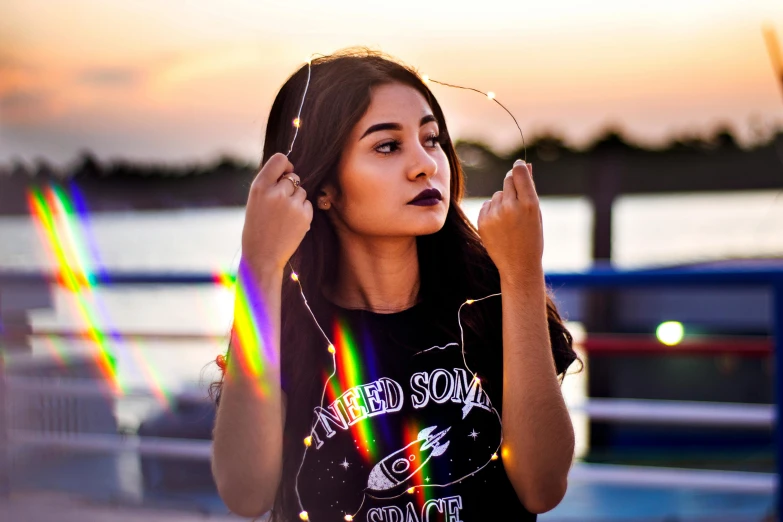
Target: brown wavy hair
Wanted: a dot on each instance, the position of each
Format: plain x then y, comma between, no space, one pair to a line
339,94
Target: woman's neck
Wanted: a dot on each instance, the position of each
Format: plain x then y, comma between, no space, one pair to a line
381,275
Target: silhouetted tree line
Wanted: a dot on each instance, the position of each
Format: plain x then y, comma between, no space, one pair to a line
715,163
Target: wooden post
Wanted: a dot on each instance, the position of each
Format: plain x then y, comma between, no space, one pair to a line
5,450
605,179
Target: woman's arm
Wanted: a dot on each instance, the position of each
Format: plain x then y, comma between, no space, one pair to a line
248,435
538,443
538,438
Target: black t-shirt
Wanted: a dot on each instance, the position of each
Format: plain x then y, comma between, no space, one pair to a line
404,432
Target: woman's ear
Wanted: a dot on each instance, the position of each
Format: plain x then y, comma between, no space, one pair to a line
325,197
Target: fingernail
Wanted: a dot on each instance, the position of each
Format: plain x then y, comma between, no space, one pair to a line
519,162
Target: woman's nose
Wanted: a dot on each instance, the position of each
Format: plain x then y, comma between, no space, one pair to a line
422,163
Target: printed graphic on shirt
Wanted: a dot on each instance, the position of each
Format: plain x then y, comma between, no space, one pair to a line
383,446
396,469
448,506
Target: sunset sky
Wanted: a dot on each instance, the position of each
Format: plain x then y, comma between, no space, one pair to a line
184,80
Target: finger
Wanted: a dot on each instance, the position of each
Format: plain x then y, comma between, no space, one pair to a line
289,175
286,186
509,190
523,180
308,209
497,199
275,167
286,178
485,208
300,195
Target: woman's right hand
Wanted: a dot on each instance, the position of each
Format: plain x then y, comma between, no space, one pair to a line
277,216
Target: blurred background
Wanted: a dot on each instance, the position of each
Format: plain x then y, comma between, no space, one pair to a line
129,134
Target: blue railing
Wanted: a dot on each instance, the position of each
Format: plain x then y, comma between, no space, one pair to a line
752,274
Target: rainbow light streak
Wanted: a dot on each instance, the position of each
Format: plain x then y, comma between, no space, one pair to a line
54,214
56,349
80,206
77,242
410,434
75,281
165,397
253,347
349,374
70,239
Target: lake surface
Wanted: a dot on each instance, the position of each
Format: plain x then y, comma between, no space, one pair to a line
648,231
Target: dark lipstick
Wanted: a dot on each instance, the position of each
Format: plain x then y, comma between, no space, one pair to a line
427,198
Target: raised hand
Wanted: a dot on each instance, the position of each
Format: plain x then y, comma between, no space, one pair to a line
277,216
510,224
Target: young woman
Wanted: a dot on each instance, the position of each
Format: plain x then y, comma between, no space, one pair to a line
398,425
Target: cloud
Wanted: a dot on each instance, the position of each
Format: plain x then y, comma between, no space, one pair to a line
20,106
109,77
12,64
20,100
15,74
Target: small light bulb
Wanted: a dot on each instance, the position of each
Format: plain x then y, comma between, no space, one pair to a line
494,456
308,441
411,490
294,277
670,333
331,349
470,301
303,515
476,378
425,78
348,518
491,95
297,122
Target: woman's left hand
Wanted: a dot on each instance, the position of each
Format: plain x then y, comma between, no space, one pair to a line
510,224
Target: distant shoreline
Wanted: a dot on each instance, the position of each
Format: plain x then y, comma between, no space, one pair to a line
719,165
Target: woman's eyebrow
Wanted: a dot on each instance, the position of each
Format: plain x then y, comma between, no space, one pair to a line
395,126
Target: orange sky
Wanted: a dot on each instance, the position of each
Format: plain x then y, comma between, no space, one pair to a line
183,79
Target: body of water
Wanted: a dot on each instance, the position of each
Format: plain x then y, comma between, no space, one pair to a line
649,230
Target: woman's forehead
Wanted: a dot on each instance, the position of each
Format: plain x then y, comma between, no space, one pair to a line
396,102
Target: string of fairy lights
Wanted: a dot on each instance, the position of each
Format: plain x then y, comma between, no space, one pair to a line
330,347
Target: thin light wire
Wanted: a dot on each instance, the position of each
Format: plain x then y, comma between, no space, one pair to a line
494,410
298,119
494,99
494,455
323,392
295,277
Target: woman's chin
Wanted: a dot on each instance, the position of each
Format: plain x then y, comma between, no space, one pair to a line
430,226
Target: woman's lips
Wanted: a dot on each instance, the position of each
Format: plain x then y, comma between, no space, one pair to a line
428,202
427,198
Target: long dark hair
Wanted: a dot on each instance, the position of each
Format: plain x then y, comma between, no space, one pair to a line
338,96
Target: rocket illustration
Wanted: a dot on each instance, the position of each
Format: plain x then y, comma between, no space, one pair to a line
401,465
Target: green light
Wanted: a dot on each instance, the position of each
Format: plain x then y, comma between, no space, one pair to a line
670,333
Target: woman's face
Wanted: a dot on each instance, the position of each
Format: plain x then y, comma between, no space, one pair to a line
392,155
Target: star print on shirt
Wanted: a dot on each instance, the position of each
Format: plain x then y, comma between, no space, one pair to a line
344,464
473,434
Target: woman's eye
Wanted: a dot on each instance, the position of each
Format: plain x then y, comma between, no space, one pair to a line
388,147
433,140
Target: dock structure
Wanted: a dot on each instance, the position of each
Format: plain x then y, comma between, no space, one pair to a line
17,299
36,507
749,292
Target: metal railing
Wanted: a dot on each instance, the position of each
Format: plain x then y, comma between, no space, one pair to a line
626,410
